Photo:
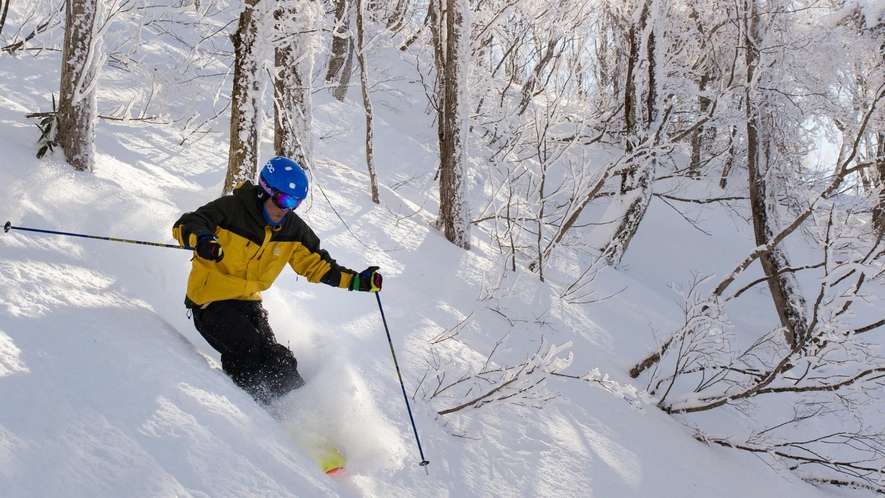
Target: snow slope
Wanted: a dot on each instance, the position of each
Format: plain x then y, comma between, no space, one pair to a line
106,389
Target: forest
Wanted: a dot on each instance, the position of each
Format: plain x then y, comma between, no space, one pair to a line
548,113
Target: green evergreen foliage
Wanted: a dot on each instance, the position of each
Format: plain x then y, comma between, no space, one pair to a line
48,121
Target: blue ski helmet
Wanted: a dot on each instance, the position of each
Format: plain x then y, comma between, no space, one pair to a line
285,181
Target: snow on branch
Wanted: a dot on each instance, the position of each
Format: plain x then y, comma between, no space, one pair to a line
810,460
523,384
832,375
631,394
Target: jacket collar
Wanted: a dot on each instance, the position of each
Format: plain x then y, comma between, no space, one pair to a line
250,196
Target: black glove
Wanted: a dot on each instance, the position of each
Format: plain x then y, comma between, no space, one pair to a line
368,280
209,248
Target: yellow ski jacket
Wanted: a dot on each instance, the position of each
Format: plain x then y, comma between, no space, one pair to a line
255,252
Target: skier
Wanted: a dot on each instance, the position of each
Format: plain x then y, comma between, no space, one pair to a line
242,242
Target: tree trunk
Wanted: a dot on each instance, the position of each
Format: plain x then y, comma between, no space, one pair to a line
367,103
438,36
293,67
291,137
3,11
245,99
340,90
529,87
79,74
632,201
634,195
879,161
788,300
729,159
397,17
697,136
635,190
340,61
453,213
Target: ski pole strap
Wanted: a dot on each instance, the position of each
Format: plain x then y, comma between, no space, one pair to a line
8,226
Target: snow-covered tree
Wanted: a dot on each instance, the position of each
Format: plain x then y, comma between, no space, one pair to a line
819,356
640,116
367,101
295,45
39,19
341,56
451,46
246,94
82,58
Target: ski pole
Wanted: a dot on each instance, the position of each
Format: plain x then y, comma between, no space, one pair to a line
424,461
8,227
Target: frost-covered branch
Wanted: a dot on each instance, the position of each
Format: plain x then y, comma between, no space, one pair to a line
521,384
864,472
634,396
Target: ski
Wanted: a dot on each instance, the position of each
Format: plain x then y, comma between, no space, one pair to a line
320,451
330,461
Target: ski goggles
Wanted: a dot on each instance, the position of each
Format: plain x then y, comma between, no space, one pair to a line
282,200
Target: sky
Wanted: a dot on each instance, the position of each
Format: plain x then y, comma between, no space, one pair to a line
108,390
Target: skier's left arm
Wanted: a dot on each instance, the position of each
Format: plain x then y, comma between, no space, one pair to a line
315,264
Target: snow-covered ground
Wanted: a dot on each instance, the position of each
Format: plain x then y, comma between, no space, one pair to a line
106,389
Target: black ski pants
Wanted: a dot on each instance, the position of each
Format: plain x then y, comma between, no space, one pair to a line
250,354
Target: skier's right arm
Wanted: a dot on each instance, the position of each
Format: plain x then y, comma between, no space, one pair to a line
197,225
197,230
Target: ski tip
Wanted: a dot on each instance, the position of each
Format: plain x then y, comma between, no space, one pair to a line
330,461
334,471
